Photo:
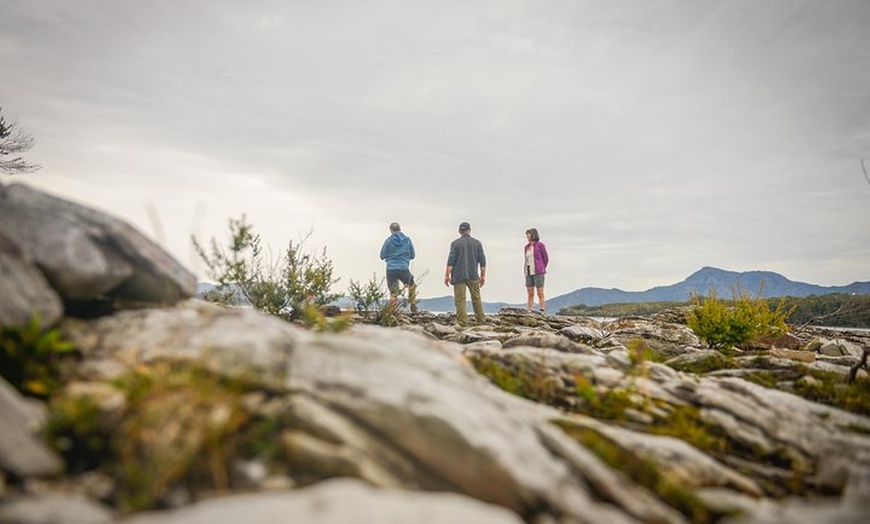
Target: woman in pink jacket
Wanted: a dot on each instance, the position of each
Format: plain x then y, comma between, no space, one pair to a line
536,260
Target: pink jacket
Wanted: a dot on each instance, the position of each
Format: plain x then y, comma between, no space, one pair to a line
540,255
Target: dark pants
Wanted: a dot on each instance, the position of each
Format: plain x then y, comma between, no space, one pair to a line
394,276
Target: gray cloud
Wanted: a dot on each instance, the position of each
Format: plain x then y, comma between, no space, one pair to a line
644,139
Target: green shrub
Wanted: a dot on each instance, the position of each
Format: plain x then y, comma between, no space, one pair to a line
284,288
29,357
724,325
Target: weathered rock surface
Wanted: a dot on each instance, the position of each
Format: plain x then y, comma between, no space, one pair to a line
341,501
22,454
399,410
24,289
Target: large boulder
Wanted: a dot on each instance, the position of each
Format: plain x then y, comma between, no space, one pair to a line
82,254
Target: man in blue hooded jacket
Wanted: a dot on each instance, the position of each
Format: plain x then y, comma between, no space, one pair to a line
398,251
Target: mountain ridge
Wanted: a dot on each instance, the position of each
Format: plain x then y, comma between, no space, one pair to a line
763,284
760,284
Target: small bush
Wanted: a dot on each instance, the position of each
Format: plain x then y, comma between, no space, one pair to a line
371,301
367,297
284,288
724,325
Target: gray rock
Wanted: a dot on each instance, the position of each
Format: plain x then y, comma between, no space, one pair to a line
340,501
557,342
483,345
195,330
814,512
86,254
586,334
468,435
24,289
54,508
21,453
840,348
649,329
681,462
619,359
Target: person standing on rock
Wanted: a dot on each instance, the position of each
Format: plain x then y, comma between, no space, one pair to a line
465,258
536,260
398,251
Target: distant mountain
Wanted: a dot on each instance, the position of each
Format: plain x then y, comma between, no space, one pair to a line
701,282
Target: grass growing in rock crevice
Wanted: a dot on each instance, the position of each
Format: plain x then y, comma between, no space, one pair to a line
532,381
180,426
538,383
645,473
824,387
577,394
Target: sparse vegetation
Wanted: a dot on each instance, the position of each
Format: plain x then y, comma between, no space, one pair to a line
530,381
180,426
284,288
14,140
645,473
812,384
370,301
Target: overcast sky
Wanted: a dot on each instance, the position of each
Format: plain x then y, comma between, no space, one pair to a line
643,139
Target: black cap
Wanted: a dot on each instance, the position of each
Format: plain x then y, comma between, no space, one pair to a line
465,226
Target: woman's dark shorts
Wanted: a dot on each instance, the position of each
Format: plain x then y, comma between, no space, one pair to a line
535,281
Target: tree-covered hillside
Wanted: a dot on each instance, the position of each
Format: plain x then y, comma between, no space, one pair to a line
835,310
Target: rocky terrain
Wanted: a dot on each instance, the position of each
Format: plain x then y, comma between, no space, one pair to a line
168,409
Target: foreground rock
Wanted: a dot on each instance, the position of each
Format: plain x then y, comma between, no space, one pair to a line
404,411
337,502
53,251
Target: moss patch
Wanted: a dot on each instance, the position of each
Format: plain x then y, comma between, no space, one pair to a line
531,381
645,473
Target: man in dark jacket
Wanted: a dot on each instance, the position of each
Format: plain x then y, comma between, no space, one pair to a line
398,251
466,256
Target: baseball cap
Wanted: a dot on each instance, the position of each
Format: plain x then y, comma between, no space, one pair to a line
465,226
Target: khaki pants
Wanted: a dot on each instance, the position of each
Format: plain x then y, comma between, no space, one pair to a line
476,303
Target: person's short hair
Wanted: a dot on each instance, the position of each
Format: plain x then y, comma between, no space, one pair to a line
533,234
465,226
395,227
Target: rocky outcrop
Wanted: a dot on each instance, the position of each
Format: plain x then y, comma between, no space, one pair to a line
201,413
53,251
401,410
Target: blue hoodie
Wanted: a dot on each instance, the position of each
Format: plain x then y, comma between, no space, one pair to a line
398,251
